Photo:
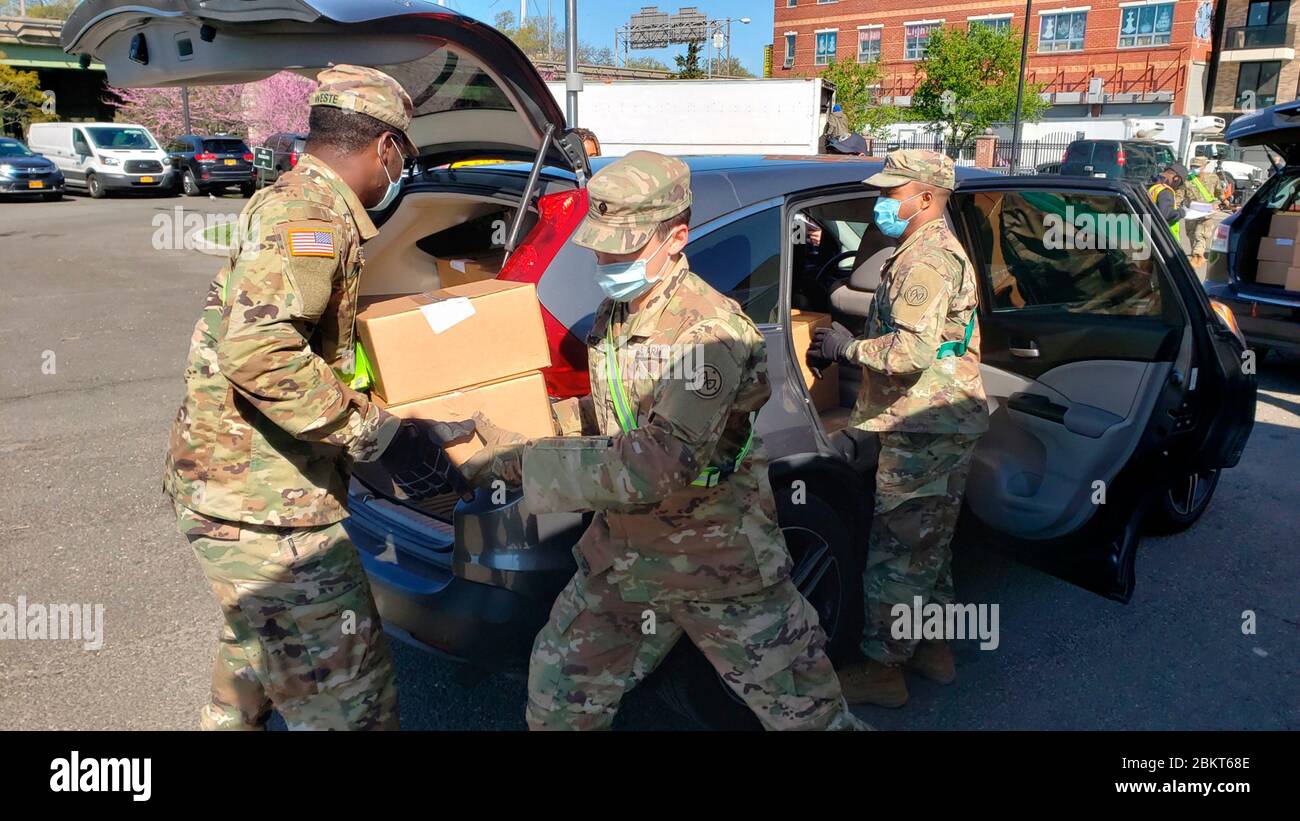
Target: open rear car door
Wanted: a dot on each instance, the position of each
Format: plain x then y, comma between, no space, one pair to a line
475,93
1107,371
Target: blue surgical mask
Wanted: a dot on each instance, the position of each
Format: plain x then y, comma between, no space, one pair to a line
625,281
887,219
394,185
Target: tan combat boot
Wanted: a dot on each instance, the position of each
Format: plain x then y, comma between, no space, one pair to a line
1196,260
870,682
933,660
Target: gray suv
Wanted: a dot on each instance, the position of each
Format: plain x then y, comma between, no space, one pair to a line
1104,370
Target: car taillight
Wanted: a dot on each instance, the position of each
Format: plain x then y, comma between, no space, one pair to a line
248,158
559,214
293,159
204,156
1120,159
1220,241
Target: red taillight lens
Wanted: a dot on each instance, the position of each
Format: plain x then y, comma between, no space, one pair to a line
559,215
1120,159
1065,155
293,159
204,156
248,158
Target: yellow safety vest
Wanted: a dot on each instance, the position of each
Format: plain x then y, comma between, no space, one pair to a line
1154,192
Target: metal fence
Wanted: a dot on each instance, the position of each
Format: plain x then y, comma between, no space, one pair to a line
1035,156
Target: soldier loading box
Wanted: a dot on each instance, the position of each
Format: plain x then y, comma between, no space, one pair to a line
420,349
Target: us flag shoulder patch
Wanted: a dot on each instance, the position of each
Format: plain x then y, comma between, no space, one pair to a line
311,243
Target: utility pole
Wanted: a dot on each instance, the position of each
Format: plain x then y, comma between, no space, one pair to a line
572,78
1020,89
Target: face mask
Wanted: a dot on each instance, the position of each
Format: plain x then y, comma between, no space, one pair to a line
887,219
625,281
394,185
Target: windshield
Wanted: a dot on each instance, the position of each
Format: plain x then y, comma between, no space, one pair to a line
13,148
121,138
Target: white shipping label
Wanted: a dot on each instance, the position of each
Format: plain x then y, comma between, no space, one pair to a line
1287,242
447,313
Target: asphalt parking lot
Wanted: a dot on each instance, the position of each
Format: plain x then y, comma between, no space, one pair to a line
93,335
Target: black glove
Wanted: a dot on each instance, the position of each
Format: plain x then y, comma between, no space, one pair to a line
829,345
417,459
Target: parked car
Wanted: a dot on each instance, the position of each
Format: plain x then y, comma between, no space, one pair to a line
285,147
1269,314
25,173
104,157
215,163
1135,160
1108,369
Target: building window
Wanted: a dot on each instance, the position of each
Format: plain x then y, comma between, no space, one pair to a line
915,37
1062,31
789,51
868,44
1146,25
790,3
1257,85
826,45
1267,12
999,23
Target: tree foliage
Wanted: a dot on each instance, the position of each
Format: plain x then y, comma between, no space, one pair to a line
856,91
253,110
969,83
20,100
688,64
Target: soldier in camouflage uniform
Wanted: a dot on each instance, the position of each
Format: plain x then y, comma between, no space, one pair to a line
1204,185
922,394
258,461
684,537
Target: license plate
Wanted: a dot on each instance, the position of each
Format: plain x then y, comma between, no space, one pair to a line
230,162
36,184
146,179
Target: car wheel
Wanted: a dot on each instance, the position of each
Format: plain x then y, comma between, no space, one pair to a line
190,185
1183,502
52,196
247,189
828,572
95,187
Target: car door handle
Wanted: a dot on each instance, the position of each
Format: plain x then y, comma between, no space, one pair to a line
1030,351
1037,405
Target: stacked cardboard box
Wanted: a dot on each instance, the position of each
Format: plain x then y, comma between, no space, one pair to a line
1279,252
449,353
824,390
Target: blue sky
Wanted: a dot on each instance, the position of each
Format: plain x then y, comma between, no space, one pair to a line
597,20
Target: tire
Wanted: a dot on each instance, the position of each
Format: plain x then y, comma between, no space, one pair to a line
94,186
827,570
189,185
52,196
246,189
1183,502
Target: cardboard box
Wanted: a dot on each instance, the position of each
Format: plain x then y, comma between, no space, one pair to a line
825,392
518,404
423,345
463,270
1285,225
1283,274
1278,249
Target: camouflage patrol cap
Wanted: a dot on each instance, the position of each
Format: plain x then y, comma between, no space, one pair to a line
366,91
627,199
915,165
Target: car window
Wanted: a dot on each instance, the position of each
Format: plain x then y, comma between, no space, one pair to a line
742,259
1105,154
1064,252
225,146
13,148
1078,152
1140,162
120,138
79,142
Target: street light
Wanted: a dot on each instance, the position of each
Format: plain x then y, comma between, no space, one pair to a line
744,21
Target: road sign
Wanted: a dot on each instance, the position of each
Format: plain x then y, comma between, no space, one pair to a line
264,158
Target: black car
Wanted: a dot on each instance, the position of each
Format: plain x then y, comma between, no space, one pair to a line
1135,160
1263,292
1115,377
25,173
285,147
211,163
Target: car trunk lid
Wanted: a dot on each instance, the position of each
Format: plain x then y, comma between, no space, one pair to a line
475,93
1276,127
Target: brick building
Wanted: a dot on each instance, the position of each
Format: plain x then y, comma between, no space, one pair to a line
1151,57
1256,65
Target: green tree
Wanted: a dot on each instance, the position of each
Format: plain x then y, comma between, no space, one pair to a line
857,92
20,100
729,67
970,83
647,64
688,64
49,9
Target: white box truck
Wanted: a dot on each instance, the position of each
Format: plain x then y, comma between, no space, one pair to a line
732,116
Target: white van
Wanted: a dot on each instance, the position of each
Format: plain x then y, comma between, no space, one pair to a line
103,157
